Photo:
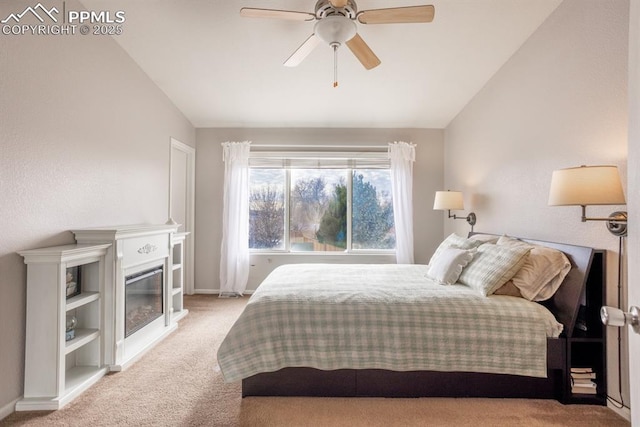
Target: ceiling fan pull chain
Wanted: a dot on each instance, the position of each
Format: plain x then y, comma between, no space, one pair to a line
335,65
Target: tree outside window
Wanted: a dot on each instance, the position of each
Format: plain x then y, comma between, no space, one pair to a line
372,212
320,216
266,209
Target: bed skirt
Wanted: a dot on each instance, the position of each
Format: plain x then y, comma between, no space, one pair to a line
383,383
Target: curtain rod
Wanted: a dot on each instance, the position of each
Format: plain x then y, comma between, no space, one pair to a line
324,146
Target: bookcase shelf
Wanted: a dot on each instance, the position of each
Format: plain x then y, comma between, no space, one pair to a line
82,299
83,336
58,369
177,278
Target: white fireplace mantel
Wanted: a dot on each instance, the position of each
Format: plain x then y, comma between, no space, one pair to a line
134,248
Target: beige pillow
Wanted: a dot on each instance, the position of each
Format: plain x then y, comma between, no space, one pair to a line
508,289
448,265
542,272
492,267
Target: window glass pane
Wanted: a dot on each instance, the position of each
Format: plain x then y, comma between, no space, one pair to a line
318,210
372,210
266,208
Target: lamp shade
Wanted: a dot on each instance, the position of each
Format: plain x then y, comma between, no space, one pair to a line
586,185
448,200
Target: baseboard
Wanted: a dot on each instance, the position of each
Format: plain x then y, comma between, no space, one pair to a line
8,409
217,291
206,291
624,412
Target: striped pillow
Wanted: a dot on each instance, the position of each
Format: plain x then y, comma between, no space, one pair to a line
492,267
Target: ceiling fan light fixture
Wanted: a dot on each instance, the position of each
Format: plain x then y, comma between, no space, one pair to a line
335,26
335,29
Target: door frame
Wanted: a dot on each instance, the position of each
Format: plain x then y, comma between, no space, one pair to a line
633,205
189,225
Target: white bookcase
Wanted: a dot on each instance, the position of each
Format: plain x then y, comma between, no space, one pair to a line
177,278
58,369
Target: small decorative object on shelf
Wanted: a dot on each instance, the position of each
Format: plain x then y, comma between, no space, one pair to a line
70,333
581,321
73,281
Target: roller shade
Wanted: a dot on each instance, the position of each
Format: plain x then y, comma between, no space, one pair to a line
319,160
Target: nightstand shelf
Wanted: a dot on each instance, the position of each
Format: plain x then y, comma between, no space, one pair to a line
586,348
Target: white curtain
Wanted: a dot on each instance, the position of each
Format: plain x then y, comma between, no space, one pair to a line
402,155
234,253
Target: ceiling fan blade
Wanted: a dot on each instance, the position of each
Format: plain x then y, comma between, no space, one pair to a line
338,3
303,51
397,15
363,52
250,12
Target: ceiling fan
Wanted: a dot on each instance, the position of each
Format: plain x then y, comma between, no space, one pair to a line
336,26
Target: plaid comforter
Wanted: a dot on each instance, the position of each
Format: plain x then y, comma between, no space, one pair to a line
391,316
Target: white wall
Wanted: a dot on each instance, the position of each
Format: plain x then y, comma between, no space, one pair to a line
84,141
560,101
428,177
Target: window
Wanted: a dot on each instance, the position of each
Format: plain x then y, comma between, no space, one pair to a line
266,208
318,210
321,209
372,212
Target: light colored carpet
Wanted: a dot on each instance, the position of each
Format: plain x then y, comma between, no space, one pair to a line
178,384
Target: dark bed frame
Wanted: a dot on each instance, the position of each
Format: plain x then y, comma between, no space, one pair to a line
384,383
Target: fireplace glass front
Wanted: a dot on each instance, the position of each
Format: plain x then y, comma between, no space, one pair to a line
143,299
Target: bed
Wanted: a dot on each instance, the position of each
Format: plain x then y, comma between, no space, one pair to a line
393,331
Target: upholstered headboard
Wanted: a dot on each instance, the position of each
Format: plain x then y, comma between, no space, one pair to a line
566,301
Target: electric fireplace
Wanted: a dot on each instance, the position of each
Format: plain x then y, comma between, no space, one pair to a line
138,291
143,299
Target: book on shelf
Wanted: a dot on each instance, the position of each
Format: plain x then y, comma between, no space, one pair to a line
582,381
582,389
587,383
587,375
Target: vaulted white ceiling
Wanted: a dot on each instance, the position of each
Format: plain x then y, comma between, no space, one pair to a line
222,70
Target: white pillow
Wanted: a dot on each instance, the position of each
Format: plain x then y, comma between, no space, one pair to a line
455,241
448,265
542,272
492,267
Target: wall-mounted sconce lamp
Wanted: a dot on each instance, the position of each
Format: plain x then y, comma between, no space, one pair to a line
452,201
590,185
